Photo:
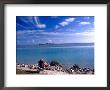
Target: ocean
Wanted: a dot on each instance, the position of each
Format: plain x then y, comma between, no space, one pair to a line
81,55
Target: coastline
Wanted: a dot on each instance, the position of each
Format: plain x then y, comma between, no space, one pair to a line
53,68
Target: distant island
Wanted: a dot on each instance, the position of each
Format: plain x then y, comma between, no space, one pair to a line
55,45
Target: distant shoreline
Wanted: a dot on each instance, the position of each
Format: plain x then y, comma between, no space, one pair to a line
56,45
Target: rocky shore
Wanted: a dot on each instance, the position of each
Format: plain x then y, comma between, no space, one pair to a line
52,68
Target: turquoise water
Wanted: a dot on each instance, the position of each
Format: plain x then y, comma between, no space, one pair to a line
81,55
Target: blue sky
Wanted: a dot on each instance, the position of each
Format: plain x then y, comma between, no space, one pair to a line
54,29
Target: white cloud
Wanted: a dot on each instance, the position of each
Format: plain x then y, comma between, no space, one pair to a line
78,33
64,23
88,33
70,19
41,25
38,24
67,21
84,23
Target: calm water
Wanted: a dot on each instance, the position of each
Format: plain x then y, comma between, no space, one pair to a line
81,55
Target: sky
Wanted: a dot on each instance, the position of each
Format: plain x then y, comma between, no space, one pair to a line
32,30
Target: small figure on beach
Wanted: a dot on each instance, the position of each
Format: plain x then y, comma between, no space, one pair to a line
41,63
